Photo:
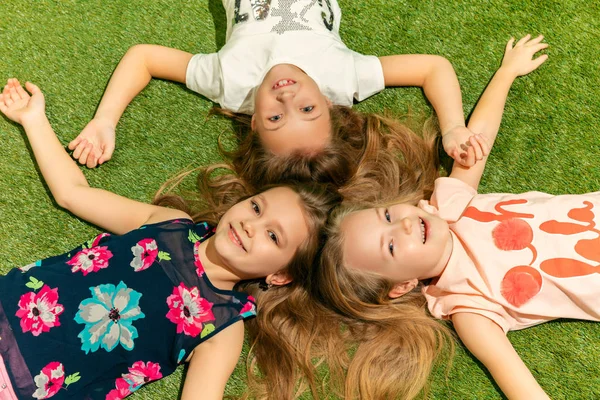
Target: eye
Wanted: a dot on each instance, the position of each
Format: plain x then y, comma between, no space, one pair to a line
255,207
307,109
391,247
276,118
273,237
387,215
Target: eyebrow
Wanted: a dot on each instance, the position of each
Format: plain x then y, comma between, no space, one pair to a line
278,227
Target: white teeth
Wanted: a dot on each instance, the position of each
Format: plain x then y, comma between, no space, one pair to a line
283,82
422,230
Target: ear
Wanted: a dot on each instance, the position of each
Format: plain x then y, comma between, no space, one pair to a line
328,101
402,288
253,122
279,278
426,206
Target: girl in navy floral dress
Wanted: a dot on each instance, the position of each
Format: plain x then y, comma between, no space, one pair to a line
122,310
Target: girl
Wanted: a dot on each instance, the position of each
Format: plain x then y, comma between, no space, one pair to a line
121,310
490,263
284,65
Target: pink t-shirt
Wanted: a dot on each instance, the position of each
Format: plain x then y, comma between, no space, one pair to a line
518,259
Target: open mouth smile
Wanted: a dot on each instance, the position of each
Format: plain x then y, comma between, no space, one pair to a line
235,238
283,83
423,230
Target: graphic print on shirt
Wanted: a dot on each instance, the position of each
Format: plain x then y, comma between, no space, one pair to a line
587,248
290,20
521,283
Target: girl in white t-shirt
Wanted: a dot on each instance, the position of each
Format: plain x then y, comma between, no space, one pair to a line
490,263
285,73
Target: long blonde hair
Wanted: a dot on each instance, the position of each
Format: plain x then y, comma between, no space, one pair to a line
397,342
288,320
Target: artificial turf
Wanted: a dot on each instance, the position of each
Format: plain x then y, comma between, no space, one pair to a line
547,141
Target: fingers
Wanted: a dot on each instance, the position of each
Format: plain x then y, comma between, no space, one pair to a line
6,95
536,40
3,106
33,89
21,92
469,157
509,45
85,153
523,40
106,153
79,149
74,143
539,61
485,148
476,147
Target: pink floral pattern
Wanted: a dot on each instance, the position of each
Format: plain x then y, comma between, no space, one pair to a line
49,381
188,310
90,260
197,261
145,252
249,308
139,374
39,312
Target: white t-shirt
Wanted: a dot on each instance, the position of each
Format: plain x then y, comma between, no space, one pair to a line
264,33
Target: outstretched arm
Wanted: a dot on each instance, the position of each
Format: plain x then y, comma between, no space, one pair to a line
489,344
65,180
436,76
486,118
96,143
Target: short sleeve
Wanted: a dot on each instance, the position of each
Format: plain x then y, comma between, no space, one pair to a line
451,197
203,76
369,75
443,305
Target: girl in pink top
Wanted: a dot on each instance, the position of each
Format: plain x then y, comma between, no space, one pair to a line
490,263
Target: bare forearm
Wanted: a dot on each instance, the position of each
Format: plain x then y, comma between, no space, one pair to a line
488,113
443,91
138,66
59,171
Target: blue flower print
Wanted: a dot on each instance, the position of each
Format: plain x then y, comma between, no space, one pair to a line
108,316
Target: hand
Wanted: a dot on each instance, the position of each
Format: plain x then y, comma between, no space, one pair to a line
18,105
465,147
95,144
519,59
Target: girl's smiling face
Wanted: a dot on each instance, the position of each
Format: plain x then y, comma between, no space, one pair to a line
402,243
260,235
290,112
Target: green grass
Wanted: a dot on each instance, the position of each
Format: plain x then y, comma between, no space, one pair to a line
548,140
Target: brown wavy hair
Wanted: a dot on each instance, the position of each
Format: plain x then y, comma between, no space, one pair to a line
288,320
368,156
396,341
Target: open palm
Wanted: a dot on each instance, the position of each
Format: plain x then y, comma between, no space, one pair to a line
18,105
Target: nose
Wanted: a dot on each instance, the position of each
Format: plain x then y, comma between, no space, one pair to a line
406,225
285,95
248,228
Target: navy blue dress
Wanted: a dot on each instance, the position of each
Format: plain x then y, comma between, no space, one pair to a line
115,313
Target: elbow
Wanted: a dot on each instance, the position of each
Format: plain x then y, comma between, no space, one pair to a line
441,64
63,200
68,197
137,52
